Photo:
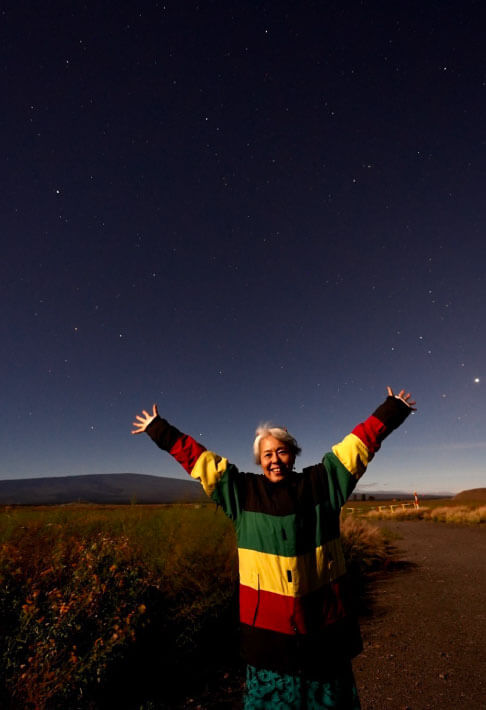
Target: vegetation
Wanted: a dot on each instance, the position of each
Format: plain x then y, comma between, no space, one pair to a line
104,605
363,544
92,594
457,510
397,514
459,514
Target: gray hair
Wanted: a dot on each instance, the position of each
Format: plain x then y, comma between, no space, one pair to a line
268,429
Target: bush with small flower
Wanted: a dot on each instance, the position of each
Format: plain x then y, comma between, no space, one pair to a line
77,595
73,609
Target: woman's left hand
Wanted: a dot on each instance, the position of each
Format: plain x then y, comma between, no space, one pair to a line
404,397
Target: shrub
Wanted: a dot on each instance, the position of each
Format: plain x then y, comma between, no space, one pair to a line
363,543
69,613
90,596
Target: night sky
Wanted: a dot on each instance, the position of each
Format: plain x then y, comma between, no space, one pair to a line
243,211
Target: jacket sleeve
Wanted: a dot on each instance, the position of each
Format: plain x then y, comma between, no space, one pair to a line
349,459
221,480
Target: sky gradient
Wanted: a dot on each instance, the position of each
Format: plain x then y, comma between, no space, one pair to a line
243,211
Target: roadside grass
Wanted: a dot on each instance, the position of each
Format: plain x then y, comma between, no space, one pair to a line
398,514
366,505
114,605
459,514
440,510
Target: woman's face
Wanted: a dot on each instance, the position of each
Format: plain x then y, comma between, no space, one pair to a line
276,459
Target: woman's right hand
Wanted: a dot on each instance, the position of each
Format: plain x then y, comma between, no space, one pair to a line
143,420
403,397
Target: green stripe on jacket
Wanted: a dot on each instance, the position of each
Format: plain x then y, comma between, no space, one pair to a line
289,535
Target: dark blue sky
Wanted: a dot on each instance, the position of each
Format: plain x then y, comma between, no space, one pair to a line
243,211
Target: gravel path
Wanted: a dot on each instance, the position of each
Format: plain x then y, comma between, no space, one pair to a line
425,643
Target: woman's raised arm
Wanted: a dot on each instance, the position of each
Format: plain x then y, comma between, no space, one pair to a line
218,477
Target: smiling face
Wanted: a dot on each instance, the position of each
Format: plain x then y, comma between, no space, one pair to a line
276,459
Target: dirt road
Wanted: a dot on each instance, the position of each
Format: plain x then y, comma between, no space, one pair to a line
425,643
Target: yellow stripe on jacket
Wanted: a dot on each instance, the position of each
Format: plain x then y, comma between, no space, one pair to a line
209,469
353,454
292,576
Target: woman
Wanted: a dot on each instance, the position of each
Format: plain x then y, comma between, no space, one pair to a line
299,630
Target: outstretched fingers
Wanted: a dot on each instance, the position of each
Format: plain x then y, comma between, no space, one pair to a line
404,396
143,420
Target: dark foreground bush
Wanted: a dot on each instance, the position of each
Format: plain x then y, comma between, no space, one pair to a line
94,608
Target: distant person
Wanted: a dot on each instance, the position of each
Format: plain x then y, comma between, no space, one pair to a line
299,630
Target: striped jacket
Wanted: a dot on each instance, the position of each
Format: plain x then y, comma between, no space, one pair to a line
296,610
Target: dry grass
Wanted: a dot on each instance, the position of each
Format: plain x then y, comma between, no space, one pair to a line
363,542
398,514
463,514
459,514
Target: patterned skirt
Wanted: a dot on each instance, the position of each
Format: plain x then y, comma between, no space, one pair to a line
268,690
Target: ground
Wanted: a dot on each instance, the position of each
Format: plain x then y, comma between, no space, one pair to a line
424,642
424,638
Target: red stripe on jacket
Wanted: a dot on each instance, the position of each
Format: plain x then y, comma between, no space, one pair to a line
294,615
187,451
371,432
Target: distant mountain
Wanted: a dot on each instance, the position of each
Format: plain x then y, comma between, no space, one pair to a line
100,488
473,494
140,488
